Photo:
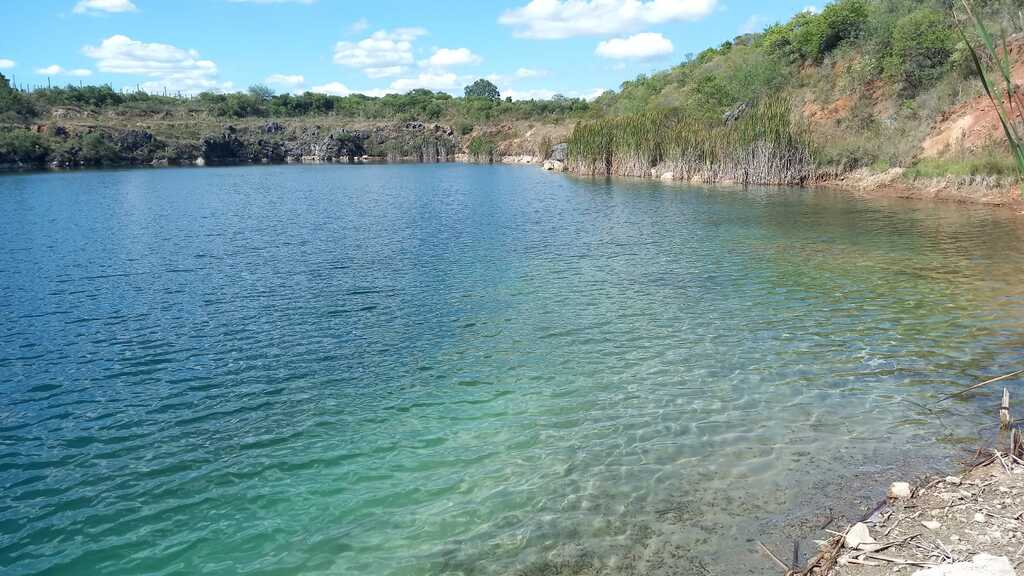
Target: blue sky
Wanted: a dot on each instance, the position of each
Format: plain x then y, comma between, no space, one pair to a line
529,48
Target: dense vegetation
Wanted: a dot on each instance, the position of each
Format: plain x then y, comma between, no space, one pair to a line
866,79
858,84
261,102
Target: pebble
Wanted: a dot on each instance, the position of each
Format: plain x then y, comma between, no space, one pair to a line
931,524
953,480
858,534
979,518
899,490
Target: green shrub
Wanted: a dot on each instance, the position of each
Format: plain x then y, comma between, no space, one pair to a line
842,20
98,151
23,147
13,104
810,36
807,34
922,44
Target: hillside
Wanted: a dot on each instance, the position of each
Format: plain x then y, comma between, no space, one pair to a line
863,87
871,83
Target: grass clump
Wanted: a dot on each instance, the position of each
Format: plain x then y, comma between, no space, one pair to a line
989,161
481,149
762,146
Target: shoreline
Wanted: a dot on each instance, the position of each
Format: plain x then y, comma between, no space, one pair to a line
976,190
968,522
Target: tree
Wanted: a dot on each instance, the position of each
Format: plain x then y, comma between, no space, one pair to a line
483,89
261,92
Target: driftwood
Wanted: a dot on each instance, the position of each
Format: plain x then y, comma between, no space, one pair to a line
985,383
772,555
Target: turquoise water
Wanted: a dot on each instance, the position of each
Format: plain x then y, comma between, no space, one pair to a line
404,370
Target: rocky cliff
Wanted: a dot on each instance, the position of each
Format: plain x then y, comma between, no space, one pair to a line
75,145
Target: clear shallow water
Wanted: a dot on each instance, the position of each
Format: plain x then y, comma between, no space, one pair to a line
403,370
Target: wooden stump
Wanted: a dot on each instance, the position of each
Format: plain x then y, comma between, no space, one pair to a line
1004,411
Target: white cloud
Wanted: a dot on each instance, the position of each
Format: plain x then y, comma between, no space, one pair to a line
530,73
636,47
51,70
567,18
110,6
811,9
167,66
332,89
384,72
375,92
380,53
441,81
56,70
546,94
538,94
447,57
436,81
5,63
285,80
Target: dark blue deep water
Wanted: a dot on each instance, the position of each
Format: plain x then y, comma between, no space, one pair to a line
472,370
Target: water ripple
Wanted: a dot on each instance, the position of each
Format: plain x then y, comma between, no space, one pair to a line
468,370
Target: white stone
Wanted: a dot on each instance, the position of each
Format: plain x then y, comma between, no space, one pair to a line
931,524
858,535
953,480
899,490
979,518
980,565
668,176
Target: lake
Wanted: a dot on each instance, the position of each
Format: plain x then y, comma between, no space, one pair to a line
471,370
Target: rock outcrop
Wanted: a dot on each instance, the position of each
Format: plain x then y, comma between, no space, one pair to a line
68,146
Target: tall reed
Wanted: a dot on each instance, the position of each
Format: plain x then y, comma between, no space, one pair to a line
1011,107
765,146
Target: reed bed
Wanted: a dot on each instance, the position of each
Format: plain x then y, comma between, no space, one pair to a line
765,146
